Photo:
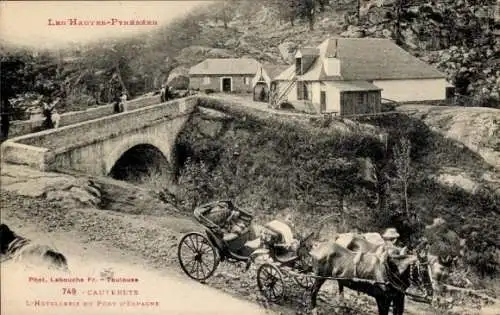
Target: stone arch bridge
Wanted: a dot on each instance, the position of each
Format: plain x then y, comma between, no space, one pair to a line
96,146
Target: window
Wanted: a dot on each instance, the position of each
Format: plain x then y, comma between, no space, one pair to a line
298,66
246,80
302,92
362,98
206,80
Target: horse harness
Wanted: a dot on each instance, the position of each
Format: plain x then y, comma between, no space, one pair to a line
419,277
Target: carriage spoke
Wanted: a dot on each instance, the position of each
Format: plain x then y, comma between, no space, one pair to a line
198,268
204,264
198,244
197,256
191,247
206,250
202,269
270,282
192,263
190,255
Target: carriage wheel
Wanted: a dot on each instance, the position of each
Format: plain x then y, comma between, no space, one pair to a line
304,281
270,282
197,256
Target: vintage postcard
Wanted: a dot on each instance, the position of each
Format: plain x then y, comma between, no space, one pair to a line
250,157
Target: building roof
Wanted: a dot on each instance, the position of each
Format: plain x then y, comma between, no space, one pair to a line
309,51
369,59
286,75
273,70
351,86
225,66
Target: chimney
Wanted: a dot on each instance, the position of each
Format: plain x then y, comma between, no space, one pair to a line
331,63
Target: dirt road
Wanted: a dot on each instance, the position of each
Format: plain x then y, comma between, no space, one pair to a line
155,292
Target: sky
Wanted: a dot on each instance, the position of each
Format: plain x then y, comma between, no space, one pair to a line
31,23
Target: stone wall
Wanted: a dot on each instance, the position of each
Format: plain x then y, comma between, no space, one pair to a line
41,149
22,127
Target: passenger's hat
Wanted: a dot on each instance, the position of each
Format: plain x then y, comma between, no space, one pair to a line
390,233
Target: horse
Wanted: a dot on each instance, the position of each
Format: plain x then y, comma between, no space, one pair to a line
381,276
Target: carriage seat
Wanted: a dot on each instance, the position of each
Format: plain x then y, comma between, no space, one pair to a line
286,245
285,235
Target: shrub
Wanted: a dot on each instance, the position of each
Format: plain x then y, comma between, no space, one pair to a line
267,162
287,105
482,256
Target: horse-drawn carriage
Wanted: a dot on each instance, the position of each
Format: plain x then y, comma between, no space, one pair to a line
230,236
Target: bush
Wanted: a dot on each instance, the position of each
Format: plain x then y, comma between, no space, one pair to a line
287,105
388,106
482,256
270,162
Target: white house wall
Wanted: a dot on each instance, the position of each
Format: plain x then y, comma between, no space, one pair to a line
292,92
332,99
412,90
315,90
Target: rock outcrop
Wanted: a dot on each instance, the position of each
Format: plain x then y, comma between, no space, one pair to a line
69,191
455,36
74,192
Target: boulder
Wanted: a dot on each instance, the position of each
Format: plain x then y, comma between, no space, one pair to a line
179,78
387,33
353,32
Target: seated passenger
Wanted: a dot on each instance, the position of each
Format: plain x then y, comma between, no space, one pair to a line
234,226
287,238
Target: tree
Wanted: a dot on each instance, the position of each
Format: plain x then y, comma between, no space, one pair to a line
285,9
402,162
322,4
399,8
306,9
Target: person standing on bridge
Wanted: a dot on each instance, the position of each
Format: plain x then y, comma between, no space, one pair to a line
123,102
116,103
162,93
167,93
48,107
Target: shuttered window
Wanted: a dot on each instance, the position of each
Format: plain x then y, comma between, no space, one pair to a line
300,90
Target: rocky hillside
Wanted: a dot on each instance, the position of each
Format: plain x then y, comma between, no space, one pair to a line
476,128
347,169
455,36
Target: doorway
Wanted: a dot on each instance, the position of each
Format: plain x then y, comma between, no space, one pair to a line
226,85
322,101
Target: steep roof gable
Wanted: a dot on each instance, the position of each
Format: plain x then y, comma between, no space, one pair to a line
370,59
225,66
273,70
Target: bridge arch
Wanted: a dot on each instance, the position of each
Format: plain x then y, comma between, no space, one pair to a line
162,144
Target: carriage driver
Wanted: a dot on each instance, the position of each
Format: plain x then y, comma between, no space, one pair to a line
390,236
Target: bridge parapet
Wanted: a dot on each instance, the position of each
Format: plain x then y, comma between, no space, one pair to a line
22,127
41,149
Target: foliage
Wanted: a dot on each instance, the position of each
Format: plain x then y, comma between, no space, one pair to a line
270,163
402,163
